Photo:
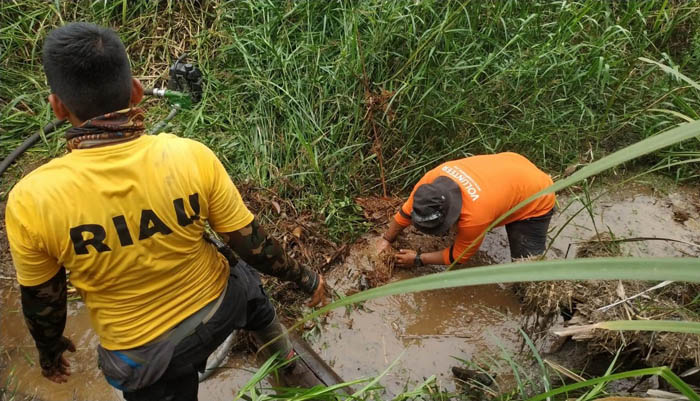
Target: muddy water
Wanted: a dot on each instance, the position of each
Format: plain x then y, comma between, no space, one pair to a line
634,211
20,366
23,372
426,330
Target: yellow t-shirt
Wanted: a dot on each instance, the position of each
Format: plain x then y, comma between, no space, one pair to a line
127,221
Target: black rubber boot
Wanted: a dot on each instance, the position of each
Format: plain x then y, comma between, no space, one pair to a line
281,346
297,373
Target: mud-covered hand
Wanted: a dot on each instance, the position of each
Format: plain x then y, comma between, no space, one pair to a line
382,245
405,258
321,295
54,365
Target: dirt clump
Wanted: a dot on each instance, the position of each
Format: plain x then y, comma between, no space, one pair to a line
379,209
382,268
600,245
372,269
589,302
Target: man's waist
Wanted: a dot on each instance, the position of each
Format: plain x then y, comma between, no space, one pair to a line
188,325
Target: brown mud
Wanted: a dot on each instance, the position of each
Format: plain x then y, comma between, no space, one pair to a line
20,370
23,372
633,221
632,212
425,330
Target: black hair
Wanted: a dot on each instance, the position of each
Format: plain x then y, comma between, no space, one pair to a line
87,67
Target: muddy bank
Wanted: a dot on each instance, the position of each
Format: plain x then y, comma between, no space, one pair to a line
634,221
426,330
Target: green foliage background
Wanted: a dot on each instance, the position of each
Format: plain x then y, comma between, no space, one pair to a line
286,106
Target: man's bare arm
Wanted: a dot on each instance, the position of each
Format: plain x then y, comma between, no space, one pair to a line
389,236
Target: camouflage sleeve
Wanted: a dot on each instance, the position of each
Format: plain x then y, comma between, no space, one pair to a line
266,255
44,308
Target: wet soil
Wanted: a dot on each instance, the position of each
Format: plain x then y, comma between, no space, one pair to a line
426,330
630,221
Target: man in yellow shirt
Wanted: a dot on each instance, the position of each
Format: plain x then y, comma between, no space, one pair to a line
125,213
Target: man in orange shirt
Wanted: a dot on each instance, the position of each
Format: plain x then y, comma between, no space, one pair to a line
469,194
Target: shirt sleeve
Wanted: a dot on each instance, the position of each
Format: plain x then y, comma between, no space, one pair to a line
227,212
464,239
33,264
403,217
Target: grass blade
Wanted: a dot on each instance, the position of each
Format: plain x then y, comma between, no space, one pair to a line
673,326
664,372
651,144
652,269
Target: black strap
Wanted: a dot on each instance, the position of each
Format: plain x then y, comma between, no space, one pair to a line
452,258
402,213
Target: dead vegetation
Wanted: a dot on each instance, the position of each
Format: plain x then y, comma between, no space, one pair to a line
379,210
589,302
302,235
602,244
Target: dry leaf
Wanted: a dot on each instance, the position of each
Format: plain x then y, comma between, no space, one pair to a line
297,232
620,290
276,206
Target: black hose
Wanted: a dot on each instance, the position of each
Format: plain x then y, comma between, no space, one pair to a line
28,143
48,129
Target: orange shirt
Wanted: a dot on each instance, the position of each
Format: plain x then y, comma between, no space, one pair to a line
491,185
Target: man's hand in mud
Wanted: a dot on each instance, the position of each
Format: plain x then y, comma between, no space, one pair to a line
405,258
58,369
321,295
382,245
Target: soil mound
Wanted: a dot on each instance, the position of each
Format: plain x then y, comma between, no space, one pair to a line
637,221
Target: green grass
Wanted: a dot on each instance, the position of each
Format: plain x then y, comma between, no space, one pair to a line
295,92
286,105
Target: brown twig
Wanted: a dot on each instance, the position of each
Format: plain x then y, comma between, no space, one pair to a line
370,113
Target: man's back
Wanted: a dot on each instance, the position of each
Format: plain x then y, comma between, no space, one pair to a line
491,185
127,221
500,181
